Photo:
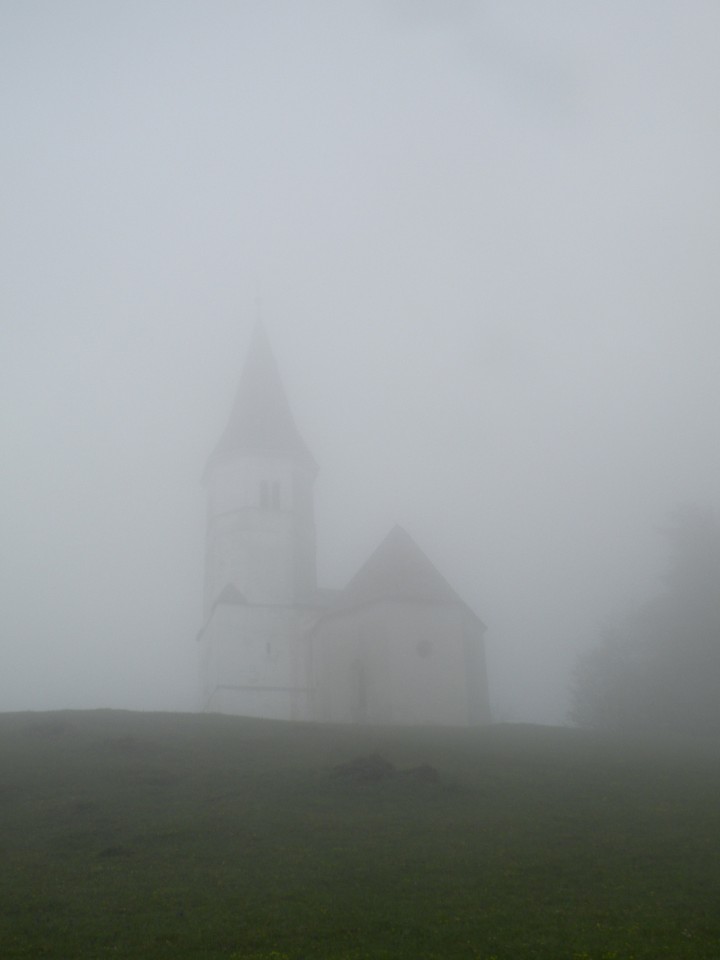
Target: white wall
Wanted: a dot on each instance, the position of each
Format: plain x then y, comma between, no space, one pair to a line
389,663
399,662
255,662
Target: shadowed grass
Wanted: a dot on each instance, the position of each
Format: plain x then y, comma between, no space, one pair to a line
175,836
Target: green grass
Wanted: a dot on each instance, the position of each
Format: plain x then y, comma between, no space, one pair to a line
173,836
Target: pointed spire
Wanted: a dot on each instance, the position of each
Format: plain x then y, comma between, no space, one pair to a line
398,569
261,419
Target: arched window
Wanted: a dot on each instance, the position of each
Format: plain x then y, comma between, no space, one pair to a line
275,495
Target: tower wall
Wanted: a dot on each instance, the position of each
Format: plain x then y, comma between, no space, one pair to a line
260,530
255,661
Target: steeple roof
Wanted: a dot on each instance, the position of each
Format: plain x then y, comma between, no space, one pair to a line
261,419
398,569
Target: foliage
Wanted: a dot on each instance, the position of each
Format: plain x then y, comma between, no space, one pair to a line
174,837
660,668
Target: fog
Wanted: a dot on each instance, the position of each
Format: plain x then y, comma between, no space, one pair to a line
483,237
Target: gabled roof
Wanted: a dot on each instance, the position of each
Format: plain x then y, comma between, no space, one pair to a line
261,419
398,570
230,595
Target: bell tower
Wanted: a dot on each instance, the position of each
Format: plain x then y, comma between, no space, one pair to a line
260,539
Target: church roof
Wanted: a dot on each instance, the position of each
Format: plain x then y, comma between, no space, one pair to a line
261,419
398,570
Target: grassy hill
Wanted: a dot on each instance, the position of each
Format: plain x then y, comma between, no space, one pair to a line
176,836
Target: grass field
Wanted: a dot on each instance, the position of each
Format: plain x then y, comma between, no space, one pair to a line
177,836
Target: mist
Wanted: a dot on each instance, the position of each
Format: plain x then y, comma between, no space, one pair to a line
483,239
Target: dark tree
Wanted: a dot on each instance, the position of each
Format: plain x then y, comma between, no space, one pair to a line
661,670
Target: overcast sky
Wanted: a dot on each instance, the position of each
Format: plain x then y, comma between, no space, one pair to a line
484,237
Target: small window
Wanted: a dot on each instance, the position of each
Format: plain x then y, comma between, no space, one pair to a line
264,494
424,648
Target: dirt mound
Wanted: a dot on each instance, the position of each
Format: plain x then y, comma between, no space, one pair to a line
374,769
425,773
370,769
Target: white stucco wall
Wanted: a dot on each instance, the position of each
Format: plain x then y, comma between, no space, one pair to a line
397,662
267,550
255,662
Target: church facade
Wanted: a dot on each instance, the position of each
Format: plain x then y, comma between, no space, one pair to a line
397,645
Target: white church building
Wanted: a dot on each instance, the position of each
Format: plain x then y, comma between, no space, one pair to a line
397,645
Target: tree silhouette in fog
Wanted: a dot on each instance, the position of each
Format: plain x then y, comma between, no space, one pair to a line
660,667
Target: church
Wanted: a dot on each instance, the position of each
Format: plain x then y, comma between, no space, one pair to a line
397,645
